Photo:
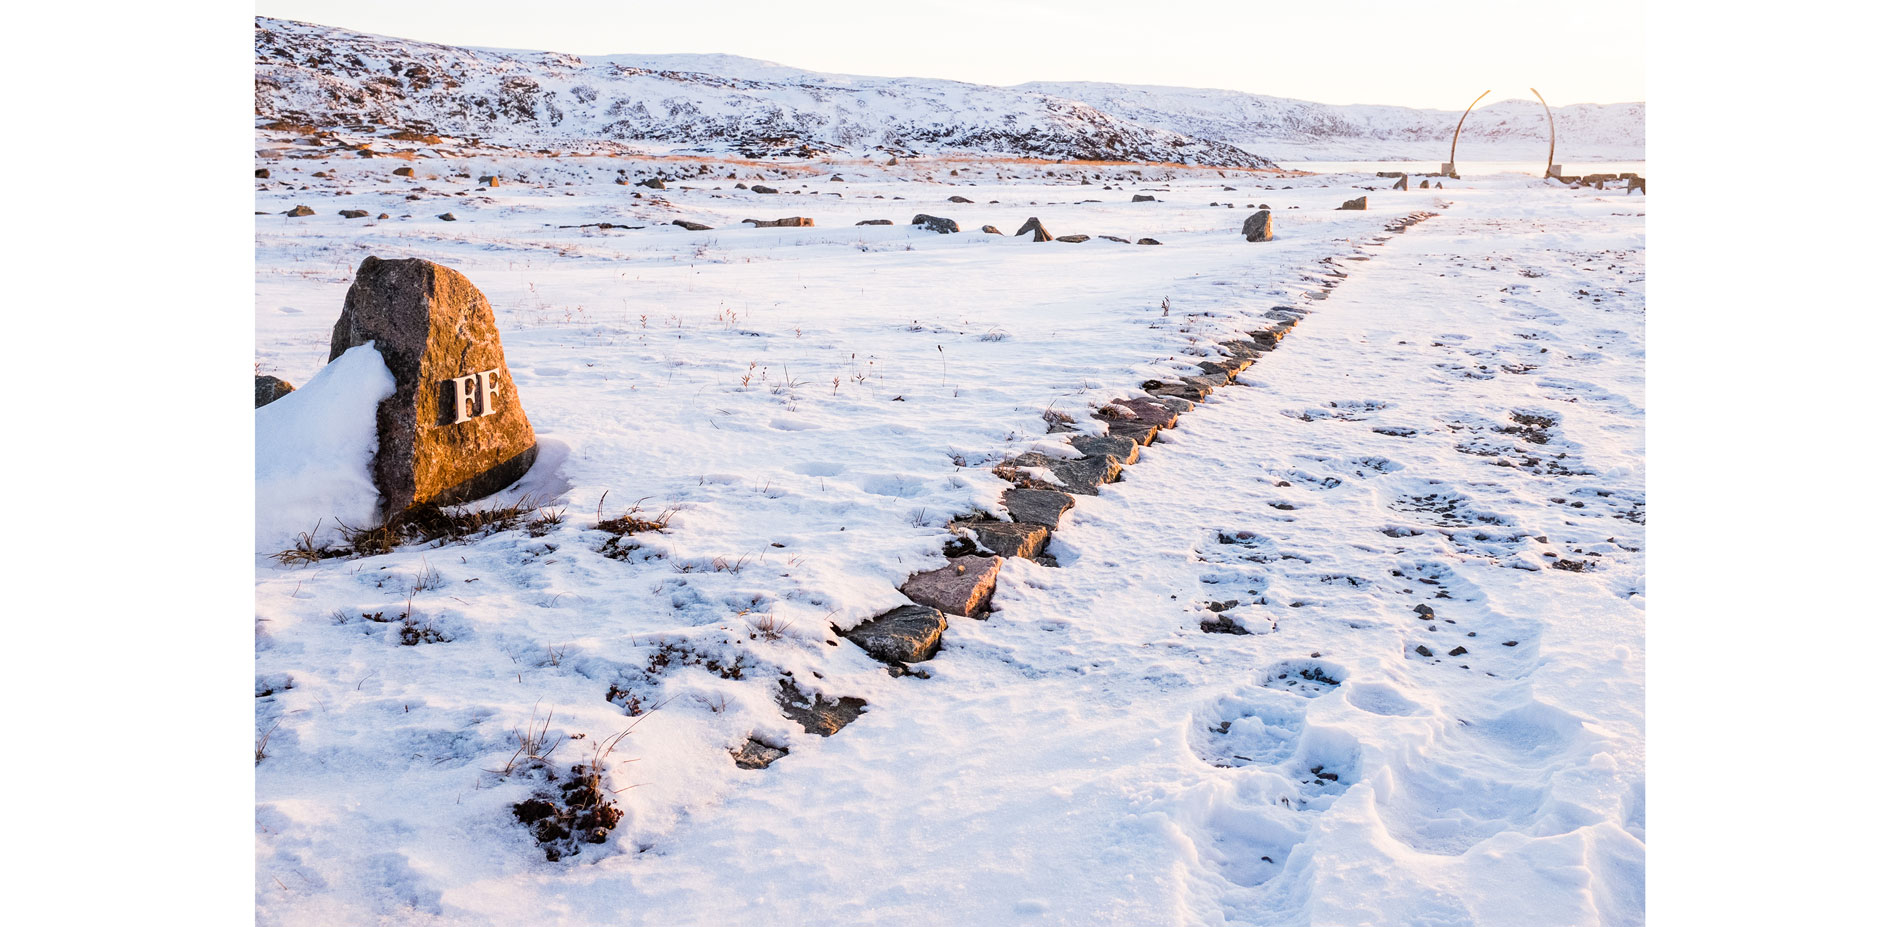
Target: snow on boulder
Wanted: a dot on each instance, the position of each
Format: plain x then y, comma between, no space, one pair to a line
314,448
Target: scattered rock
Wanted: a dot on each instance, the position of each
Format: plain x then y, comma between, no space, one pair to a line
757,754
270,389
1359,203
300,211
762,188
874,222
1074,239
405,172
992,230
1114,238
1424,612
1422,650
936,224
692,226
1034,225
454,430
1037,506
788,222
818,715
837,179
1143,198
262,173
447,217
960,199
353,213
382,215
961,588
1222,625
1259,226
1405,183
905,635
1147,241
653,183
1457,652
488,181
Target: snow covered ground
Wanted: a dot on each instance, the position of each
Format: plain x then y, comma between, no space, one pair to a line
1459,426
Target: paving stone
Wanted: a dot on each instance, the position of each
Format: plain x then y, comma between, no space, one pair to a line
904,635
818,715
961,588
1120,450
1075,474
1037,506
1008,538
757,754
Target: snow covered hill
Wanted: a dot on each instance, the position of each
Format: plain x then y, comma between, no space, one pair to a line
327,77
317,75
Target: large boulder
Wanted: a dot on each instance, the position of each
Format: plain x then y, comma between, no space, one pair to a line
937,224
1259,226
1035,225
1405,183
454,430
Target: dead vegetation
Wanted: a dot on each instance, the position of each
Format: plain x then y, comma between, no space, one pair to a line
424,524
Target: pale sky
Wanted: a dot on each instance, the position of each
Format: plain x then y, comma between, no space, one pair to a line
1436,55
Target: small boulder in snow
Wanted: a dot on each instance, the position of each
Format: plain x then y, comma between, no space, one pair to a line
960,199
262,173
300,211
992,230
1074,239
1356,203
1259,226
936,224
1143,198
692,226
269,389
762,188
788,222
874,222
1034,225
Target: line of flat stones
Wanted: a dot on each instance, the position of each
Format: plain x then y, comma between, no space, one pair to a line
913,633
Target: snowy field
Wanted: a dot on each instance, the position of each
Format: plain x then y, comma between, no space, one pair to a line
1458,424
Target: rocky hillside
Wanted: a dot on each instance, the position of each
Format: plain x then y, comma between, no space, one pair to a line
328,78
325,77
